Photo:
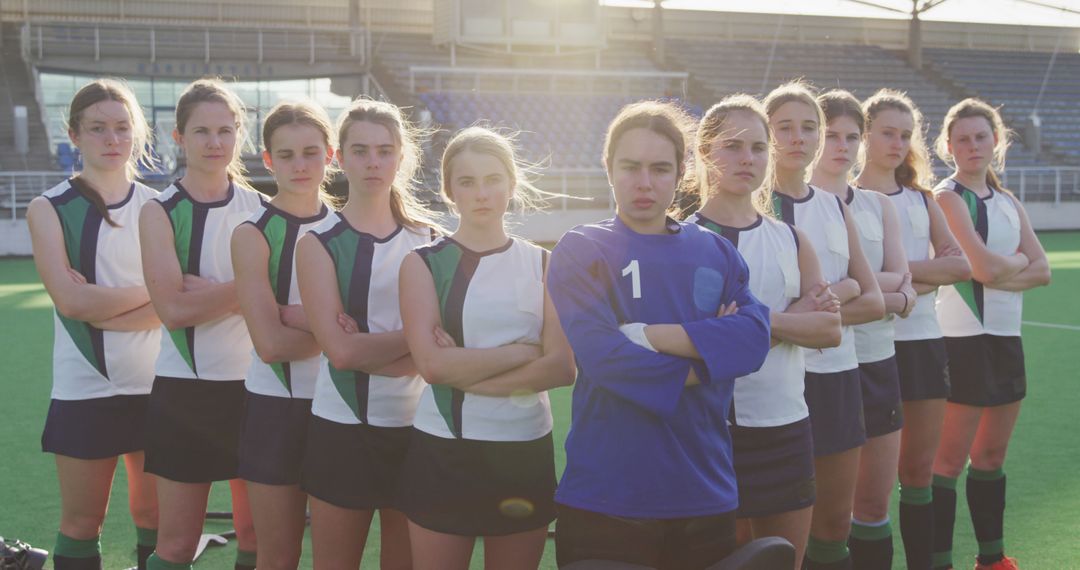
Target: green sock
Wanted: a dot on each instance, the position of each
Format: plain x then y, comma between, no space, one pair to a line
157,563
245,560
145,542
826,551
75,548
944,492
871,545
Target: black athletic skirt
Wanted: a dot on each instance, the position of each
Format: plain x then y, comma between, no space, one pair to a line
193,429
836,411
986,370
97,428
479,488
354,466
273,438
774,467
923,367
882,409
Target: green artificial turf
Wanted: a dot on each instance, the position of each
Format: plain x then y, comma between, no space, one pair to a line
1043,495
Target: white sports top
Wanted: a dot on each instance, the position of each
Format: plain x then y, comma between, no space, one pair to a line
968,308
921,323
820,215
487,299
89,362
219,349
772,396
874,340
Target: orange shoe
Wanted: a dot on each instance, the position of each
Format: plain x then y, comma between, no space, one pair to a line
1006,563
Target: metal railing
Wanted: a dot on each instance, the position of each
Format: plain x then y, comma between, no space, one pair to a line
626,80
298,44
1043,184
18,188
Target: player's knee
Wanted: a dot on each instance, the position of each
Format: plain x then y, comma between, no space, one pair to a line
834,527
82,525
871,510
145,516
988,459
917,473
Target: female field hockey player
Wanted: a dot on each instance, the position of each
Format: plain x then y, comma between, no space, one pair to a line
981,322
769,421
298,143
833,387
197,402
486,339
662,321
879,237
86,250
367,389
897,165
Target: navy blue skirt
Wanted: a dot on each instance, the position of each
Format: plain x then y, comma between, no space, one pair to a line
273,438
97,428
836,411
774,467
883,411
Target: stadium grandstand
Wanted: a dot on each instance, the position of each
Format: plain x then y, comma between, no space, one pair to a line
555,76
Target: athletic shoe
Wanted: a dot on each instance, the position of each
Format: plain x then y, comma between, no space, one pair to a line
1003,564
17,555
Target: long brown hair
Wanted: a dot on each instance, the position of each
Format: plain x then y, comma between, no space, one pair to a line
711,128
312,115
915,172
976,108
111,90
406,208
213,90
663,118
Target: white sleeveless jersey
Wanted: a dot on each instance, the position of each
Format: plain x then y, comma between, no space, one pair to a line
821,218
295,379
89,362
921,323
487,299
874,340
367,277
219,349
772,396
969,308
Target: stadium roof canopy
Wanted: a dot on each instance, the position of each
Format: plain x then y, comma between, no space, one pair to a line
1055,13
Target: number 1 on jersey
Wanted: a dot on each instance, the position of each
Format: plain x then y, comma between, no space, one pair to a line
634,271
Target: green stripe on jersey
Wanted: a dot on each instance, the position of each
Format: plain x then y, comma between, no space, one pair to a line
182,215
275,232
73,219
342,249
443,264
966,289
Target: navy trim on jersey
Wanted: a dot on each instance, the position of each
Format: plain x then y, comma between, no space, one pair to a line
982,227
795,236
454,319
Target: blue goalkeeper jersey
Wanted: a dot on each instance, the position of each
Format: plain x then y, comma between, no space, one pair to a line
641,444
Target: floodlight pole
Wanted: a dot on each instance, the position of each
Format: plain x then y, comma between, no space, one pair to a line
658,32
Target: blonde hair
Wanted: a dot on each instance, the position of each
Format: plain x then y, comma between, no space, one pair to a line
117,90
976,108
915,172
312,115
213,90
711,128
407,210
484,140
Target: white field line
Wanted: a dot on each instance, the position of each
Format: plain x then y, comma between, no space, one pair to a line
1052,325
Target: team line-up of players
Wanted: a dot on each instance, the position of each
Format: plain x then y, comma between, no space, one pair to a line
767,366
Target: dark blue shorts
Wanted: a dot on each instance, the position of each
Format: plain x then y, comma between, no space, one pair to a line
923,367
272,439
193,429
97,428
986,370
354,466
774,467
882,409
836,411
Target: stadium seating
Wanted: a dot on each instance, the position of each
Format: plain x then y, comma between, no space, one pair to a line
982,72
